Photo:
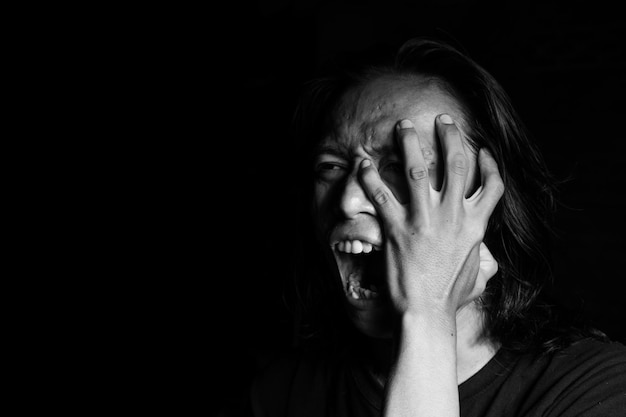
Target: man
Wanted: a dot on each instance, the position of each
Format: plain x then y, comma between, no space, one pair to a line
429,206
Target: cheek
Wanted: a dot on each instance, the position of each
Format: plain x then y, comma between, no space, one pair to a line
319,193
321,206
321,196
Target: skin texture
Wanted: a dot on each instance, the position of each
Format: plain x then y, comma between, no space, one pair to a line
366,129
396,174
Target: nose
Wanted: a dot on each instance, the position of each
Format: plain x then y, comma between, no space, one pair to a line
354,200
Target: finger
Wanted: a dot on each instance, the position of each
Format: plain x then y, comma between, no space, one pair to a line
415,166
488,267
456,164
472,279
381,196
488,264
492,188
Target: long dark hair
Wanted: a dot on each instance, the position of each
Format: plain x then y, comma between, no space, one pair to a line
517,306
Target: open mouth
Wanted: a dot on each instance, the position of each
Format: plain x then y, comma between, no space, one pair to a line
361,265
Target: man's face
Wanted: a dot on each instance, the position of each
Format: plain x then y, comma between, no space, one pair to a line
347,221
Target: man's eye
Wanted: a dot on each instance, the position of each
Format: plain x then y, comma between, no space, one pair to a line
329,170
393,167
392,173
328,166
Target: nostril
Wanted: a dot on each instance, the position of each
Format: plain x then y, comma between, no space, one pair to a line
354,200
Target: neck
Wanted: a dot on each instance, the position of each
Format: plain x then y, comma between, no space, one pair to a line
473,348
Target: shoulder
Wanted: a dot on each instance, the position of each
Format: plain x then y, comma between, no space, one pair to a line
586,378
588,356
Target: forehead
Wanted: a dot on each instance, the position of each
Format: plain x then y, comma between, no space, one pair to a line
366,115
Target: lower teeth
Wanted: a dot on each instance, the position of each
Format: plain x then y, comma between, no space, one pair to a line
357,292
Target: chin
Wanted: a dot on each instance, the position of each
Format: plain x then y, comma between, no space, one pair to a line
374,321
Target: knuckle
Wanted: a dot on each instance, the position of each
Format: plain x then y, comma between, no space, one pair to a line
429,154
458,163
380,196
418,173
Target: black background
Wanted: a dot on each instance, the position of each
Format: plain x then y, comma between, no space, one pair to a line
563,64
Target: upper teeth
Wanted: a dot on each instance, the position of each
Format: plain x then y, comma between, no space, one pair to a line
355,246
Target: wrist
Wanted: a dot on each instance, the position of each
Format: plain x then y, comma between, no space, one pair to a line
429,326
436,319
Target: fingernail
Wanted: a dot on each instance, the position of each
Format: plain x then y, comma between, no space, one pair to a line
405,124
365,163
444,118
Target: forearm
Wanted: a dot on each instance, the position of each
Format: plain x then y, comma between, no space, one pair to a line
423,381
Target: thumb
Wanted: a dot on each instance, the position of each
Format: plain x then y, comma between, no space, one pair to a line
488,264
487,269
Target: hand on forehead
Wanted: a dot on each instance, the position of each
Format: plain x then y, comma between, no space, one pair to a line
367,116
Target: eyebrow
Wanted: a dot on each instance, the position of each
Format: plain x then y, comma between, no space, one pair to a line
343,151
332,149
383,150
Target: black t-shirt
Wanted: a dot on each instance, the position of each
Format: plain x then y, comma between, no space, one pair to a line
587,379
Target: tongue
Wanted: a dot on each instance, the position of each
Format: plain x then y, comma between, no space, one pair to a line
367,271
